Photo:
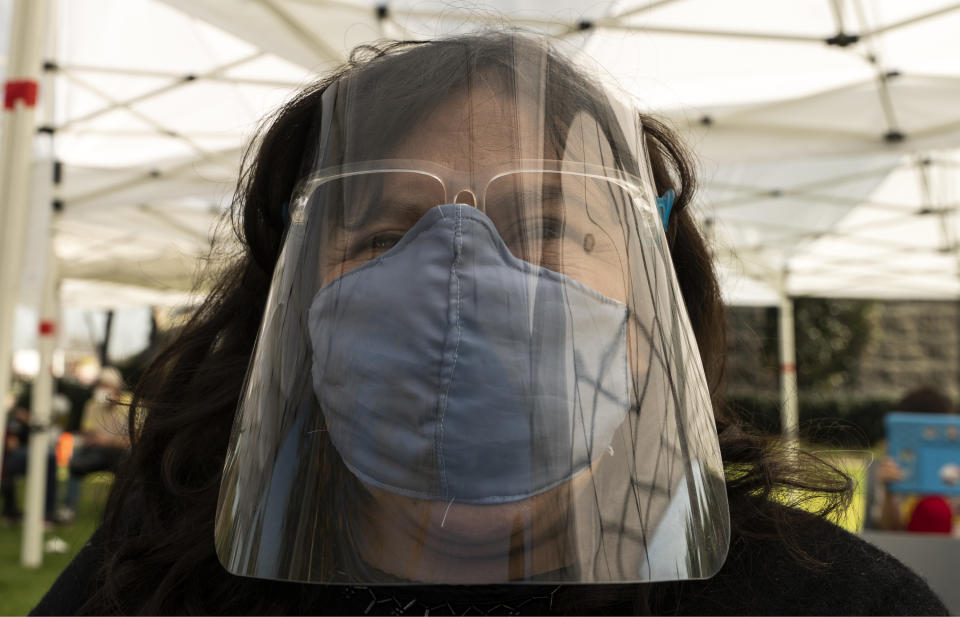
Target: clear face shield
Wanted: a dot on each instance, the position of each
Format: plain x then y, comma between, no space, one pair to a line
475,365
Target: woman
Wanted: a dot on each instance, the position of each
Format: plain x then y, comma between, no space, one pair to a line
489,352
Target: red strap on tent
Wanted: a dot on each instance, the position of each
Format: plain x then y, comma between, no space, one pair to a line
20,90
788,368
47,328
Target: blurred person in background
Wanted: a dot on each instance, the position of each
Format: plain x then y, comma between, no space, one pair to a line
892,511
78,394
103,439
391,424
14,465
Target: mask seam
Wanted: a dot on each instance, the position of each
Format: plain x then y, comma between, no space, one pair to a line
445,399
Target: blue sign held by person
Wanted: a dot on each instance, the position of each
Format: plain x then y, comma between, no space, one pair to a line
926,446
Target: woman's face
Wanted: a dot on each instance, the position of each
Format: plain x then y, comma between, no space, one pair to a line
465,543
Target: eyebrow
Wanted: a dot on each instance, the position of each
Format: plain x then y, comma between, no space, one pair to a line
390,209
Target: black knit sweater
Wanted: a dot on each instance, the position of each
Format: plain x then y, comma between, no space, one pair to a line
760,577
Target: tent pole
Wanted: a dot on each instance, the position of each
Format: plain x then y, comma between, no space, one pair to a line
31,550
789,398
48,318
27,33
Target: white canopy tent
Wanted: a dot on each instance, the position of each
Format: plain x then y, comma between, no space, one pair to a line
856,142
152,103
828,131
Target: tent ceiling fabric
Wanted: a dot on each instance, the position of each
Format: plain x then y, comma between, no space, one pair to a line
828,131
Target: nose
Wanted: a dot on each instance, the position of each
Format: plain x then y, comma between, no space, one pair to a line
466,197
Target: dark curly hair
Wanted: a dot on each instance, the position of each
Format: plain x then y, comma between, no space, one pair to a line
158,529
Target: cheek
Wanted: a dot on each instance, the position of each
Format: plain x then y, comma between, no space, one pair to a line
338,255
610,281
598,277
330,271
596,257
642,331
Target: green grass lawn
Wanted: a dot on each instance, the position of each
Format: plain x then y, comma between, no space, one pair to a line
20,588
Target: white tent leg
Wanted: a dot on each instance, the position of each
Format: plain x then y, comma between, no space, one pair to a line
27,33
789,400
31,550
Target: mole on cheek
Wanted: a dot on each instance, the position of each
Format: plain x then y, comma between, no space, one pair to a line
589,242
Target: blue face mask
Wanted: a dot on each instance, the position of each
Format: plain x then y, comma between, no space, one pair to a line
448,369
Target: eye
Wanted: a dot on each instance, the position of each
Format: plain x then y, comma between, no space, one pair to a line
384,242
543,229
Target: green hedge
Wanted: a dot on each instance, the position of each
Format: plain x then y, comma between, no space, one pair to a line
854,423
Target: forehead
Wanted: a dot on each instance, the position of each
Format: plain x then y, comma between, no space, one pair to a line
476,128
488,125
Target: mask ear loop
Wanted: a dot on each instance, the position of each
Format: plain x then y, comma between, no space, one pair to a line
665,205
